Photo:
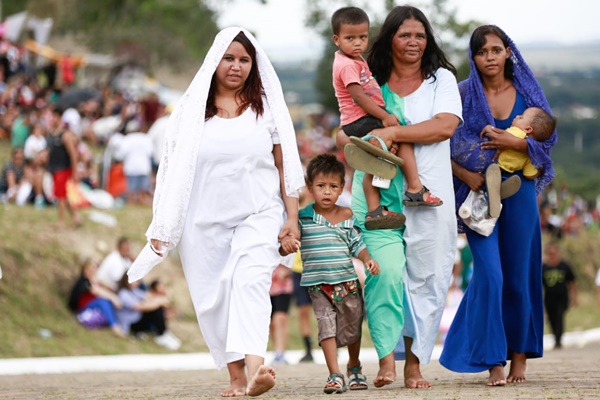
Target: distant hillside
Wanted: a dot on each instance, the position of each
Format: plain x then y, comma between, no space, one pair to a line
560,57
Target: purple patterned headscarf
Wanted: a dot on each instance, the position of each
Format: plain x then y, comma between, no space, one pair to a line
465,143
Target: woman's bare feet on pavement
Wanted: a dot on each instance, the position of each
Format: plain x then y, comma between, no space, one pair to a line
518,365
497,377
262,381
413,378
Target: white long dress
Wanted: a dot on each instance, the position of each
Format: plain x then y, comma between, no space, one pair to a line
229,246
430,233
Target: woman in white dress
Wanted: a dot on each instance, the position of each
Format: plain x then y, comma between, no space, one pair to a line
226,192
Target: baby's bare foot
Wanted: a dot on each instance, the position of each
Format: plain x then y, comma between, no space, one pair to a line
262,381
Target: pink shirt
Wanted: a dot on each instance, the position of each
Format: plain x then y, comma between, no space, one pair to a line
346,71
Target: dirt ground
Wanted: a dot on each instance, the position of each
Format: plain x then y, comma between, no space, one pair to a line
571,373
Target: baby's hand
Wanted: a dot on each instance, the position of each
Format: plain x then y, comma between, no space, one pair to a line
289,245
372,266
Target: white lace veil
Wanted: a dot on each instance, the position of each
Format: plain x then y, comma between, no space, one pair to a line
184,130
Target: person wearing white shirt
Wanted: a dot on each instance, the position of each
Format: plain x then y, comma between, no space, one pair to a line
157,132
72,118
35,143
115,265
136,152
36,154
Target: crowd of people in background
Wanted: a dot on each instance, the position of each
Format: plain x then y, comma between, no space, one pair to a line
102,137
126,168
111,140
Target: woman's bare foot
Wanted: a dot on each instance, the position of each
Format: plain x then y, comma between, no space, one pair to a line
497,377
384,377
413,378
262,381
387,371
237,379
518,365
235,389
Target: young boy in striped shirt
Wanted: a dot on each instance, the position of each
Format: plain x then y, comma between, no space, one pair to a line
329,239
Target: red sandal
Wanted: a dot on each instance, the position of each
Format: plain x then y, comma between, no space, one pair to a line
417,199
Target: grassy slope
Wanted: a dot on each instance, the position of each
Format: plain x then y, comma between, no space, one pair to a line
40,262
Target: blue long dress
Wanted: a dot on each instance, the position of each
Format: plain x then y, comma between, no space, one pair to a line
501,312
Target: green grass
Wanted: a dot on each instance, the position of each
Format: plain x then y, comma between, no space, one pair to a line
40,263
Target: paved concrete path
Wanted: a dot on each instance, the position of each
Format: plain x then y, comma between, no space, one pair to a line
571,373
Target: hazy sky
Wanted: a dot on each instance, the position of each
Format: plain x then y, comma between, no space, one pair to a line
279,25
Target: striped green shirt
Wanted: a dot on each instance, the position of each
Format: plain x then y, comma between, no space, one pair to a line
326,249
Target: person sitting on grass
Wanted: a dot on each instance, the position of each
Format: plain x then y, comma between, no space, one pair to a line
144,312
329,238
94,305
13,176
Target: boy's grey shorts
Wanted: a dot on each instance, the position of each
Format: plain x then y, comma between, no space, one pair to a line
342,320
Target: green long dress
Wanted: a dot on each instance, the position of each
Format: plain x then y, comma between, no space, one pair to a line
384,293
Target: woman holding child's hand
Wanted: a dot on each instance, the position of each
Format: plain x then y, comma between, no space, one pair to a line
222,196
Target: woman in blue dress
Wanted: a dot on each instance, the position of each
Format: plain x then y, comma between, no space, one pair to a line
501,315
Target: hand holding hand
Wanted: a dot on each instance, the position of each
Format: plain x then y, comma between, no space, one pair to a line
289,245
289,228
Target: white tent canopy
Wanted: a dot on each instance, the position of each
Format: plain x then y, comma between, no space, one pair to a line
16,23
